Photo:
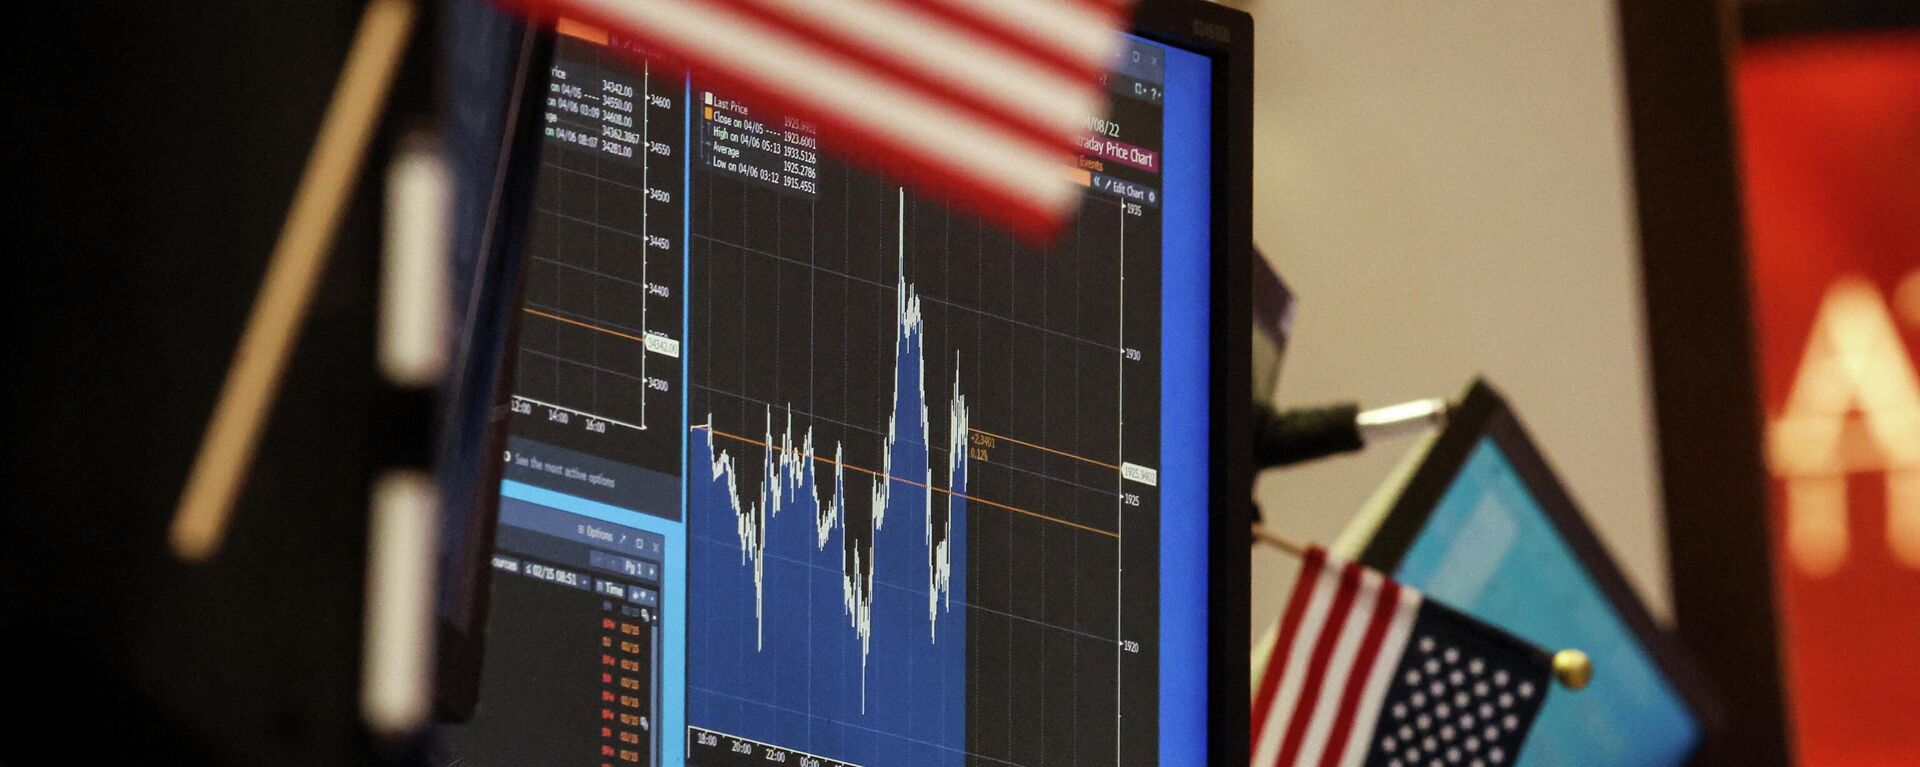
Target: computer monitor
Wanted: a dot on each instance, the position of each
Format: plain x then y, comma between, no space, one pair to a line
804,467
1483,525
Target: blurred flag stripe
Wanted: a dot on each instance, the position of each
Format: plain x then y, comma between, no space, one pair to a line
1036,46
1323,580
1289,629
982,101
926,136
1077,28
974,74
1316,669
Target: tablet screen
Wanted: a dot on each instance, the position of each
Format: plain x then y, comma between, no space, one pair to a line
1490,549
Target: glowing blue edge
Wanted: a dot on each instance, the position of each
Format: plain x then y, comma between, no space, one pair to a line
674,740
1186,294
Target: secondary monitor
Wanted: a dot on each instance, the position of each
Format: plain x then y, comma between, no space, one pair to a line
806,468
1484,525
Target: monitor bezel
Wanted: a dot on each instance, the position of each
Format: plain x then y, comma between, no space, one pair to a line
1484,413
476,403
1225,36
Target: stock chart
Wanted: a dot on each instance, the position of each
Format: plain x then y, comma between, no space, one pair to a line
895,471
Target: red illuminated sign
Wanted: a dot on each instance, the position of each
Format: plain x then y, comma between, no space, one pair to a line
1830,142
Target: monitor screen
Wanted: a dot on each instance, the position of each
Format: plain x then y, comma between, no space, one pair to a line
1490,548
806,468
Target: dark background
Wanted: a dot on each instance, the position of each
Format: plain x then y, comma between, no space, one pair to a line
156,147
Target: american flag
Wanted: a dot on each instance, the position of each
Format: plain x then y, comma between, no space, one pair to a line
1366,671
982,100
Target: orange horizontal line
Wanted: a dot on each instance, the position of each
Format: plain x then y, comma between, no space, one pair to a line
982,432
1063,453
608,331
975,499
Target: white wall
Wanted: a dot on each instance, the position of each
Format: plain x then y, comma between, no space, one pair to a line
1445,184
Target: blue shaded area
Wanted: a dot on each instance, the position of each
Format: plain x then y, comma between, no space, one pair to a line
1186,295
673,651
1490,550
795,676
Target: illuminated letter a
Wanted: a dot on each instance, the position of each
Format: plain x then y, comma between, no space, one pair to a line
1854,361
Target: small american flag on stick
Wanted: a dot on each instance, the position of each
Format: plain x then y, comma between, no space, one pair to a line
981,100
1367,671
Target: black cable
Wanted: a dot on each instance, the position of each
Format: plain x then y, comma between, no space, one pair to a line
1298,435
